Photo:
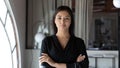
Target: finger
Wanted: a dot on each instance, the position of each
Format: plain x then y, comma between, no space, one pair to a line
80,55
42,59
44,54
83,56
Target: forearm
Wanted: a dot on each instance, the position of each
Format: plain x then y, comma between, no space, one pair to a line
45,58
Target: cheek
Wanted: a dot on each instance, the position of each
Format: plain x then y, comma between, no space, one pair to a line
69,23
55,22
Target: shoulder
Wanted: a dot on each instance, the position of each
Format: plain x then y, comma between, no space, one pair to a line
47,38
78,39
80,43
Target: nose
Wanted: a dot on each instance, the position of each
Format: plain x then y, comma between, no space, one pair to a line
62,20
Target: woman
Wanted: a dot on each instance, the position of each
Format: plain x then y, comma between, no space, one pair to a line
63,49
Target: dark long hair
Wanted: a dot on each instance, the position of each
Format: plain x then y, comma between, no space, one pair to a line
67,9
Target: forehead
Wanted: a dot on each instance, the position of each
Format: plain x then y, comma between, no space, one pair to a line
62,13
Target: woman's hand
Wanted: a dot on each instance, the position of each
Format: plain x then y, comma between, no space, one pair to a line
47,59
80,58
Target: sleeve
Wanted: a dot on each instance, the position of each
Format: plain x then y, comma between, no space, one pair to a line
82,64
73,65
44,50
85,63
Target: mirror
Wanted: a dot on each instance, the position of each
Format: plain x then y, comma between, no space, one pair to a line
105,26
99,31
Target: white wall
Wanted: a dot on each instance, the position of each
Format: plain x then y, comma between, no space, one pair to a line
19,10
33,60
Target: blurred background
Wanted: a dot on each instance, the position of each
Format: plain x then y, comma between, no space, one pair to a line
24,23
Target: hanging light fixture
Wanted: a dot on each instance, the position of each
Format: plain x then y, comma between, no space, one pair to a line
116,3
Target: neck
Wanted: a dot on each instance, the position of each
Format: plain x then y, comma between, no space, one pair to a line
63,34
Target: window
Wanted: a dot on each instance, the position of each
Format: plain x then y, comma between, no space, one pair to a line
9,50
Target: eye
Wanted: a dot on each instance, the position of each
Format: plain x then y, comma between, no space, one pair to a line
59,18
67,18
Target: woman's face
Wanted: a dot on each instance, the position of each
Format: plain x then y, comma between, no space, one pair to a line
63,20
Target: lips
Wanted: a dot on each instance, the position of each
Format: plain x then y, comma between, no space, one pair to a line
63,25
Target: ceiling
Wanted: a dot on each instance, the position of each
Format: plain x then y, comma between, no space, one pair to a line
101,6
104,6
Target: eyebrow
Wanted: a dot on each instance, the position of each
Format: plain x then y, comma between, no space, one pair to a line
60,16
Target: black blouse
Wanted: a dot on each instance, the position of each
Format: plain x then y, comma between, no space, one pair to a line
68,55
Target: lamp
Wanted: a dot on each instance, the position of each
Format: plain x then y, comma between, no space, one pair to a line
116,3
41,32
38,38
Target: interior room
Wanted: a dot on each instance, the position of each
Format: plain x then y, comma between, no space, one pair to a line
24,24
